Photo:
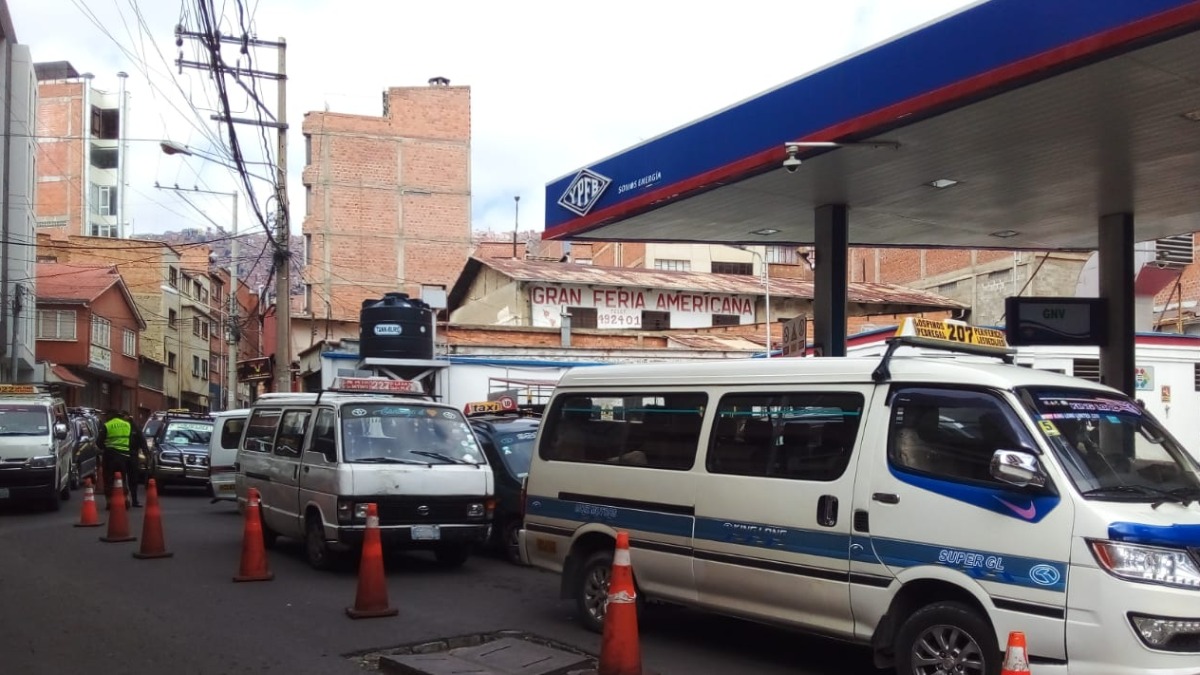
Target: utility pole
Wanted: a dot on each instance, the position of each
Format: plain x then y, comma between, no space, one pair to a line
282,233
283,264
516,222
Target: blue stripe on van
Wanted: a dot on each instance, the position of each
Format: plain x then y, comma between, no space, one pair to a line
895,553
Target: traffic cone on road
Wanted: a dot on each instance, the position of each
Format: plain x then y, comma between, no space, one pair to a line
620,653
1016,658
88,515
254,553
371,600
153,545
118,518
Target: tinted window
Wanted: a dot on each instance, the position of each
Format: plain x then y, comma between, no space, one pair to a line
260,430
183,432
515,448
802,436
951,433
659,430
324,436
231,432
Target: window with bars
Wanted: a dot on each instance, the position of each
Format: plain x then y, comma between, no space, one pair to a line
129,343
582,317
783,255
744,269
670,265
101,332
1086,369
652,320
56,324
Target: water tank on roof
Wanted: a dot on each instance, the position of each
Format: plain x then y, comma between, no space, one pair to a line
395,327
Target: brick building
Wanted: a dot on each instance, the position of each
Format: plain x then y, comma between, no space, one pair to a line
79,153
387,199
87,321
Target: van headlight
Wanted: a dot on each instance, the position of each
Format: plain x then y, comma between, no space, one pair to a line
349,511
1148,564
43,462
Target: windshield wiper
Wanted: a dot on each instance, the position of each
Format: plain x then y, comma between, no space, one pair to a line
439,455
1164,496
387,460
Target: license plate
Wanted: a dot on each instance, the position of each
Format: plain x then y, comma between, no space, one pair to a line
226,488
3,493
426,532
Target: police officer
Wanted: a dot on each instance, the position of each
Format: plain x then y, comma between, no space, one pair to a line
115,437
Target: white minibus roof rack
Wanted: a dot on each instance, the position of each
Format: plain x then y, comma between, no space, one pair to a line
948,335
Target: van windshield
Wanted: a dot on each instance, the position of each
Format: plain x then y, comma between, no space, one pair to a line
1112,449
188,433
392,433
23,420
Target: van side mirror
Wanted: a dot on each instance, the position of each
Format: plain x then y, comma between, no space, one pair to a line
1018,468
60,430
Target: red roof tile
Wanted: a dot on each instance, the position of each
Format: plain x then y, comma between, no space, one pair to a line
73,283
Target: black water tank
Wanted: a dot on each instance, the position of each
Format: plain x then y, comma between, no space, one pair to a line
395,327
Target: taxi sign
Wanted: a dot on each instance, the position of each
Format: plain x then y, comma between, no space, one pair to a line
952,331
24,389
503,404
377,384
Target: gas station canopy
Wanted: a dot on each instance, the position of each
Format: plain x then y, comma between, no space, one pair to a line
1011,124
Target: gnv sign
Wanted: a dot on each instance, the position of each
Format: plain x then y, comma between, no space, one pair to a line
583,192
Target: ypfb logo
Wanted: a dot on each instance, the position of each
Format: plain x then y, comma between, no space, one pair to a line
583,192
1045,575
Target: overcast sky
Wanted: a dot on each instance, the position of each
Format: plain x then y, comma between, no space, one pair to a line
555,84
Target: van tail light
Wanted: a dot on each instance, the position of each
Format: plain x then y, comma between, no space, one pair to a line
490,505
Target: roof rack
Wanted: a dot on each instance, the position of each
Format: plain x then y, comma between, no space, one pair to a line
949,336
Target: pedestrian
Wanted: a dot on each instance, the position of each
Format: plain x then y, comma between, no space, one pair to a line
114,438
138,449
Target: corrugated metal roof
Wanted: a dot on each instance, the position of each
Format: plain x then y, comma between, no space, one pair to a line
736,284
72,283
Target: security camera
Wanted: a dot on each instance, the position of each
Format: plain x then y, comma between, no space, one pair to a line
792,163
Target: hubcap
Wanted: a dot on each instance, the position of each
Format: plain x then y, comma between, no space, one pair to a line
947,650
595,591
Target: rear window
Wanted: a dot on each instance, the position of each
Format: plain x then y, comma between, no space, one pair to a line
231,432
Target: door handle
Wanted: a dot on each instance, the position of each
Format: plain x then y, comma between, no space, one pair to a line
886,498
296,472
827,511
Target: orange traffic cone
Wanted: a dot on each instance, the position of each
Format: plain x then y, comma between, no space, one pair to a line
254,553
118,520
1016,658
371,600
88,515
152,532
620,653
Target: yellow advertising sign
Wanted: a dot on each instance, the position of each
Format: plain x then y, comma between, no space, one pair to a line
18,389
953,331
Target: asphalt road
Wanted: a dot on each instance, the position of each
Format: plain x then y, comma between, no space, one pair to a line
72,604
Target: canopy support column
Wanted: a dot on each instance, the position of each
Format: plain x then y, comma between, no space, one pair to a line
830,280
1117,357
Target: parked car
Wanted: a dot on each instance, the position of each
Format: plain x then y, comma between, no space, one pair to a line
507,439
85,453
179,448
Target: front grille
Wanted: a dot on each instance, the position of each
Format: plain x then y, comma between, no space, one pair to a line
409,511
18,478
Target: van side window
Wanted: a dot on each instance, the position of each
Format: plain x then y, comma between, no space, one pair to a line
950,433
260,430
324,436
655,430
800,436
231,432
291,433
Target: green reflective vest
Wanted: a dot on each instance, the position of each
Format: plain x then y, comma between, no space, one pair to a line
116,435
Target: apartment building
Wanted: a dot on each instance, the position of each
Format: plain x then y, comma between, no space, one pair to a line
387,199
18,287
80,153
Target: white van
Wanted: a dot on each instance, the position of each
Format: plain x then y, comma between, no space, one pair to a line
35,446
222,453
317,460
925,506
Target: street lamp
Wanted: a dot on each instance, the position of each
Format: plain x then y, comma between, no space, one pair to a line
767,292
170,147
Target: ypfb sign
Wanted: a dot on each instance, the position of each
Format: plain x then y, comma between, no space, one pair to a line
1056,321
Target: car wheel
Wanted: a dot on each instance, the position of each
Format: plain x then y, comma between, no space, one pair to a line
510,539
316,549
452,556
591,596
947,637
